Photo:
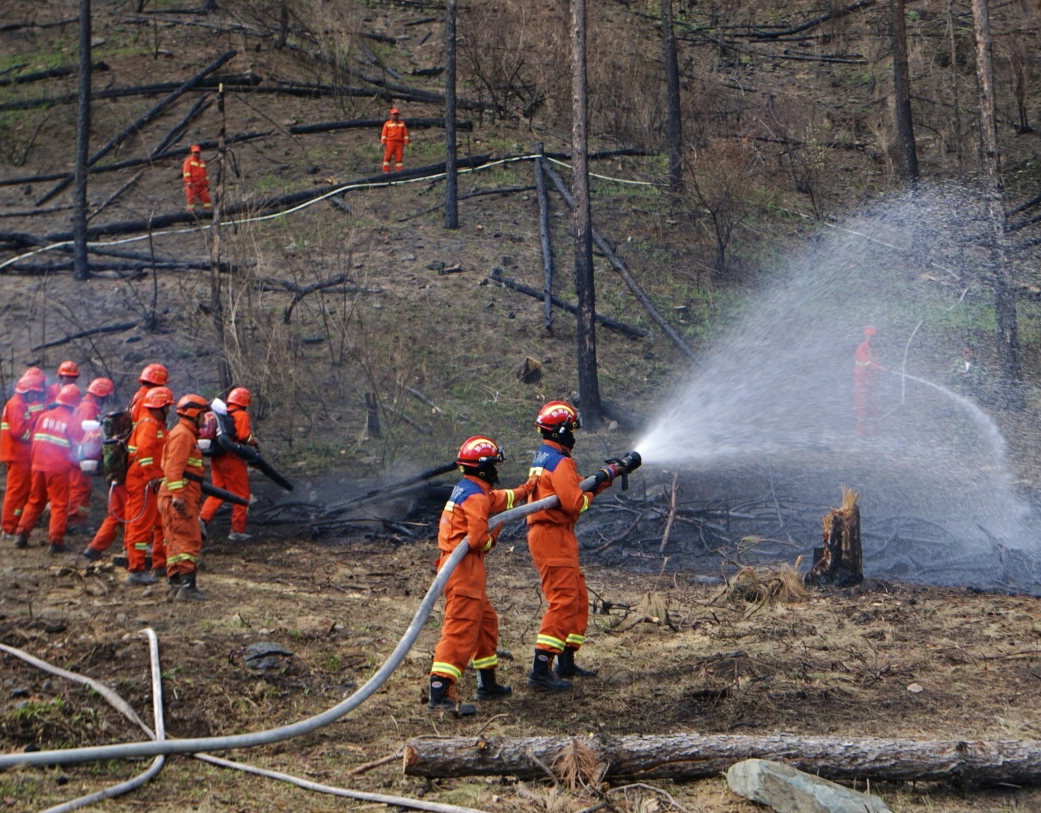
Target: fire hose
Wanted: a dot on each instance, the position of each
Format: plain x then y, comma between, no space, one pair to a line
618,467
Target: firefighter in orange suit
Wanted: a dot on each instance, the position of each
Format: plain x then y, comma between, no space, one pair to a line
16,437
394,137
866,371
54,436
471,627
554,549
68,373
88,409
144,472
230,472
180,498
152,375
196,181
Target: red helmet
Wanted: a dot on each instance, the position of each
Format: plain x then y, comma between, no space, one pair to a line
394,110
69,395
240,397
869,330
191,405
157,398
101,387
478,450
69,368
154,374
557,415
195,148
32,380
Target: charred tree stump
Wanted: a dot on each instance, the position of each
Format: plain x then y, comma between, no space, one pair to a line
840,562
372,416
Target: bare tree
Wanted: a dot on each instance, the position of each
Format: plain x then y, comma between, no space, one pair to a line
588,383
451,175
79,219
216,300
902,102
990,157
674,127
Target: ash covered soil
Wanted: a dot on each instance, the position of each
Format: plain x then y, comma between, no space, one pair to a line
675,654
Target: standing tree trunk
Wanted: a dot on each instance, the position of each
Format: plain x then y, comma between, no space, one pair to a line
451,176
902,106
990,157
79,222
544,235
674,127
216,300
588,382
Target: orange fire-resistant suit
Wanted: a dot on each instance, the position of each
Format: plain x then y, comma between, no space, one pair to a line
866,372
394,137
196,182
53,438
16,434
143,525
89,409
232,473
116,503
181,457
554,548
471,627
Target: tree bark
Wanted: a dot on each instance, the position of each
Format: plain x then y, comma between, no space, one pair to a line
585,285
544,236
674,126
81,265
902,104
689,756
1009,355
216,299
451,154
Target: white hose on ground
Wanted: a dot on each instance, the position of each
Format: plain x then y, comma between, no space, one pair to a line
70,756
160,734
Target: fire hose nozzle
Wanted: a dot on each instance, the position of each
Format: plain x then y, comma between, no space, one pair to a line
621,466
631,461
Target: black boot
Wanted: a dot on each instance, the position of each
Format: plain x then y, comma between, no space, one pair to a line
567,668
487,688
21,540
541,677
443,698
188,591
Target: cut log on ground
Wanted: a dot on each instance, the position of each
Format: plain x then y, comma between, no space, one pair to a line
840,562
684,757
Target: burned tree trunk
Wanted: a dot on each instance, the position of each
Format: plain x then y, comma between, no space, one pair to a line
840,562
690,756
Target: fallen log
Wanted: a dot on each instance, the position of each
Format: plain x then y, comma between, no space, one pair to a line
94,331
606,321
689,756
136,126
373,124
622,270
50,73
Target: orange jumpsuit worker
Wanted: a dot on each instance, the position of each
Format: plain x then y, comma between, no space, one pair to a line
866,372
471,627
180,497
68,373
394,137
196,181
88,409
554,549
16,436
152,375
230,472
53,438
144,472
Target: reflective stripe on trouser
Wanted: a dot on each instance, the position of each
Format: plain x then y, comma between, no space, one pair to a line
232,474
182,534
116,503
470,628
52,487
19,483
394,151
563,585
79,497
142,515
